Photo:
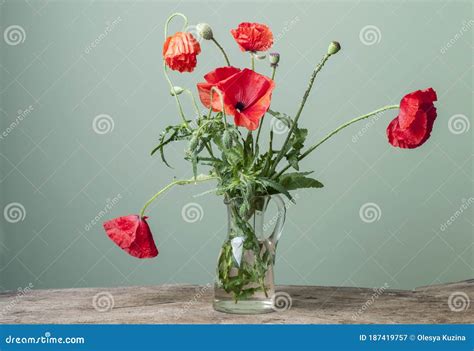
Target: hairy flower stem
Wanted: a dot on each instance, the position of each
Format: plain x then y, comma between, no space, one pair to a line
200,178
338,129
222,50
261,120
283,150
274,68
165,70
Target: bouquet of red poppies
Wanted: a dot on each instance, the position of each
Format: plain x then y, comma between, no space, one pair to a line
224,142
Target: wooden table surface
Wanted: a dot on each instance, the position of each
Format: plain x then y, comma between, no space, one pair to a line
447,303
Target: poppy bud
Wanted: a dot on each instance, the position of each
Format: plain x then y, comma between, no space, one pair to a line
176,90
274,58
333,48
205,31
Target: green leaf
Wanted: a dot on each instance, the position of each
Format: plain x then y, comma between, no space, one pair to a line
277,187
283,117
298,180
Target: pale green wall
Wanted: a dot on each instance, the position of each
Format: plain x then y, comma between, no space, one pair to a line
62,172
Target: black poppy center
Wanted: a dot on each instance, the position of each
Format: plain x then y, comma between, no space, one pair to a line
239,106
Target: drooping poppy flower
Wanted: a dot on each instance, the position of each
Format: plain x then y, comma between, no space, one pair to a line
180,51
253,36
413,125
132,234
246,94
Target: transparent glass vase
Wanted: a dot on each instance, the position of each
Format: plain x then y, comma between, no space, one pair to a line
244,282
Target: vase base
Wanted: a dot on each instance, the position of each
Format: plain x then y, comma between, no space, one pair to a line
243,307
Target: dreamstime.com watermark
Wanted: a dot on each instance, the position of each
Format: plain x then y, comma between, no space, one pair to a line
287,27
47,338
192,212
464,206
21,293
21,115
111,25
369,124
466,26
103,301
376,294
187,306
109,205
277,216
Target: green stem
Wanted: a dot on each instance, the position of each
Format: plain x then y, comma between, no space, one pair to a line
252,61
263,117
300,109
338,129
274,68
222,50
195,105
198,179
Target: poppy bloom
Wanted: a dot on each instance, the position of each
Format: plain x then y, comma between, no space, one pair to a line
246,94
180,51
413,125
253,36
132,234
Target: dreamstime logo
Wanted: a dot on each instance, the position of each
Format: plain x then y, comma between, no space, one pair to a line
14,212
356,137
192,212
281,301
458,301
22,292
198,296
103,124
14,35
370,212
466,203
103,301
370,35
110,27
287,27
21,115
458,124
109,204
278,126
377,293
466,26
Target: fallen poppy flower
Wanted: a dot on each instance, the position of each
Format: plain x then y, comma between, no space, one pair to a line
132,234
413,125
180,51
253,36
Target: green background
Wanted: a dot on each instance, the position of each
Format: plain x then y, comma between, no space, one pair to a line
63,173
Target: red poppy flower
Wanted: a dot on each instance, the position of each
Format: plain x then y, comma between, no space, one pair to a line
253,36
413,125
246,94
132,234
180,51
212,78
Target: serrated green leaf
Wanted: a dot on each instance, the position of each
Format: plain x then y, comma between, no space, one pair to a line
298,180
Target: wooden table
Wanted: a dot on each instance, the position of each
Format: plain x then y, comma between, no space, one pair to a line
192,304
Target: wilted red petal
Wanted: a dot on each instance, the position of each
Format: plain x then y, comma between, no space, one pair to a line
413,125
132,234
180,51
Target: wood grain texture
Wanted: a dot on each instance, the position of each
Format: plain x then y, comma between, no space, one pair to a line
192,304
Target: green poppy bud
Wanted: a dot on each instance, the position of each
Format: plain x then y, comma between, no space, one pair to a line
176,91
333,48
274,58
205,31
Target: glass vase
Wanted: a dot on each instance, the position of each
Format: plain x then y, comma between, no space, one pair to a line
245,282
